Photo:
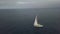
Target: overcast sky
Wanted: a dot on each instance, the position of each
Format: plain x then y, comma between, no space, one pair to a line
8,4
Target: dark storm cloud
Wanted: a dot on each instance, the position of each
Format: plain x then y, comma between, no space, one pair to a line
7,4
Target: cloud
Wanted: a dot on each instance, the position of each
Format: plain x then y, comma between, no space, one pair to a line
5,4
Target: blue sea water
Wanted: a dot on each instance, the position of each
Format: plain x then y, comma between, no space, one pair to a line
20,21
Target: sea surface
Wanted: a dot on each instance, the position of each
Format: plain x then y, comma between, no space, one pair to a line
20,21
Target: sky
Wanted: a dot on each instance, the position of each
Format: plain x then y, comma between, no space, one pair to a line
9,4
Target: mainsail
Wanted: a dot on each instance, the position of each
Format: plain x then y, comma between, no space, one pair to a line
36,23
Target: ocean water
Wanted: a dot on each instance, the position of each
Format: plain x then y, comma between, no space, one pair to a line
20,21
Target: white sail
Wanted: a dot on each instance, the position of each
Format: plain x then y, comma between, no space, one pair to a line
36,23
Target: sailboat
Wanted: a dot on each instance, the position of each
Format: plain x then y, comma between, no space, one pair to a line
36,23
